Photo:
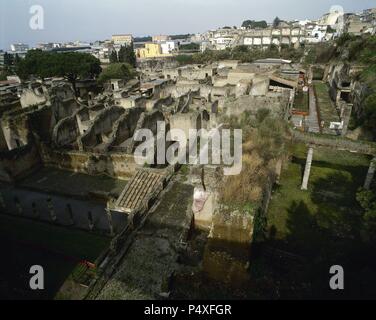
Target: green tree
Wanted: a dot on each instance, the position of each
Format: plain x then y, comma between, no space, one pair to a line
184,59
251,24
8,60
122,54
3,76
72,66
367,200
9,63
247,24
276,22
127,55
114,57
117,71
191,46
370,113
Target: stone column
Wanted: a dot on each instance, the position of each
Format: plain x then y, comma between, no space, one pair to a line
2,202
131,220
307,170
51,210
90,218
18,205
69,210
278,170
109,218
35,210
347,109
370,174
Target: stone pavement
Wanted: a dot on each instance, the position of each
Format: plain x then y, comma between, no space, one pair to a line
312,121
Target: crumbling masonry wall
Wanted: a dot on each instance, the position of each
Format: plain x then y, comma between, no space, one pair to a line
102,127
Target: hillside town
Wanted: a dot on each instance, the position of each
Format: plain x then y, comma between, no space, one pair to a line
102,175
279,32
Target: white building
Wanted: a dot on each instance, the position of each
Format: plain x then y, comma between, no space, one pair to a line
19,47
168,47
316,34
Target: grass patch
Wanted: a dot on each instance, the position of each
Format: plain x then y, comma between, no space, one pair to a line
335,178
301,101
327,109
322,226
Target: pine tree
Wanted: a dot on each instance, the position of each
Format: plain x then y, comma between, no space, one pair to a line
122,54
114,57
127,55
131,56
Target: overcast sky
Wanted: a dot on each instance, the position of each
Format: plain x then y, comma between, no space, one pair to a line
89,20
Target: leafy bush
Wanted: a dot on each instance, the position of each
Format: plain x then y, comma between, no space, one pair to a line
184,59
190,46
117,71
265,141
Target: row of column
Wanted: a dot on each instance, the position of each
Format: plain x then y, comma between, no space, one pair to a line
307,172
52,213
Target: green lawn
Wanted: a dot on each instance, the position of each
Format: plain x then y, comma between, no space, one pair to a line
58,250
301,101
322,226
334,180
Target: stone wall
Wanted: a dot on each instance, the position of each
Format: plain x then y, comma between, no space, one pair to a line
157,64
116,165
276,103
146,121
18,163
16,129
335,142
32,97
191,72
66,131
157,103
186,121
40,122
102,127
124,127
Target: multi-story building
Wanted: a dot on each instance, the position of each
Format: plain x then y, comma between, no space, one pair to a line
122,39
151,50
168,47
160,38
19,47
48,46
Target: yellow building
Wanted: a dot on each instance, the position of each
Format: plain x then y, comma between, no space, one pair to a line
151,50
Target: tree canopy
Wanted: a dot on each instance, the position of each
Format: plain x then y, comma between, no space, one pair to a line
367,200
252,24
276,22
126,54
361,50
117,71
71,65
